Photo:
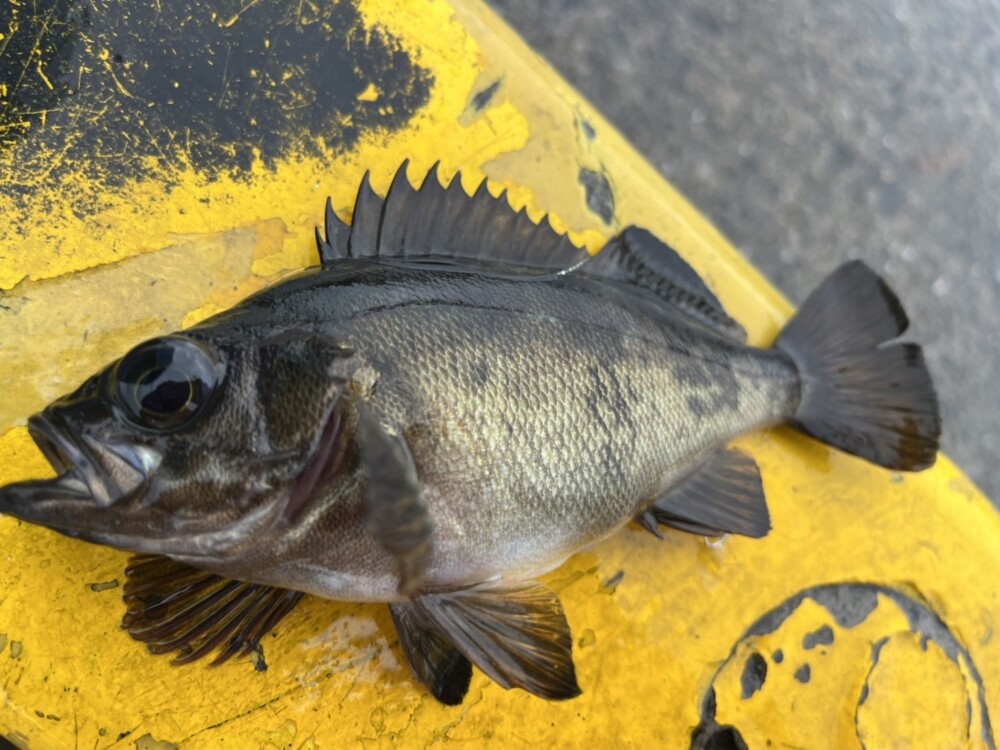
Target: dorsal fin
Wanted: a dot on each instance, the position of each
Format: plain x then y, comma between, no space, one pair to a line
636,256
434,222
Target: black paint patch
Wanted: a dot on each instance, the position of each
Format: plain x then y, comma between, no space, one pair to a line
778,656
850,604
480,100
803,673
754,674
597,189
717,738
820,637
216,84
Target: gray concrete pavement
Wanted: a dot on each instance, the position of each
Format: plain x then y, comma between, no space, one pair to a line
813,132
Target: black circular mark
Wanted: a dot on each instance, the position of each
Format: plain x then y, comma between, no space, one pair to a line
849,604
216,84
778,656
803,673
821,637
754,674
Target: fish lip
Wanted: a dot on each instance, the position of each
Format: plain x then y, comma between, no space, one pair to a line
68,456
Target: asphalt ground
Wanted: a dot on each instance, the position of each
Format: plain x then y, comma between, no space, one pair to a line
811,133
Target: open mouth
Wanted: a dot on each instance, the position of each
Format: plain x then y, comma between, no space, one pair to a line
60,451
78,475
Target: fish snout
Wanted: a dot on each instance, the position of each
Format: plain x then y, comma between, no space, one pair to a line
106,472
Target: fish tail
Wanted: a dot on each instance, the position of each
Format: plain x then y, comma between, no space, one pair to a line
861,392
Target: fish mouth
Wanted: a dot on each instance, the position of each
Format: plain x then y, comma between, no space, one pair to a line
110,472
79,477
89,474
38,499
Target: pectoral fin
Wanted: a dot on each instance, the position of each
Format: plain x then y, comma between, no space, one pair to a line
171,606
724,496
396,513
519,637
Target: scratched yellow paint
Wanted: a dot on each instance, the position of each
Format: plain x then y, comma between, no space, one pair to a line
649,649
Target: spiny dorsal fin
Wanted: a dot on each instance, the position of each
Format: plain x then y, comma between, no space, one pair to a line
171,606
435,222
637,257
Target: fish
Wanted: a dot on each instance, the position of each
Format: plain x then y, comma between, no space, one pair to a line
452,403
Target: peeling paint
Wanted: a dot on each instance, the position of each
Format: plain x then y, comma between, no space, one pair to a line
845,665
147,742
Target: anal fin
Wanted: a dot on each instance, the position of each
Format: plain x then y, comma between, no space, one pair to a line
723,496
171,606
518,636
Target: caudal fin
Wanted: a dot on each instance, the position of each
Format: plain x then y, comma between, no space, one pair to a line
860,393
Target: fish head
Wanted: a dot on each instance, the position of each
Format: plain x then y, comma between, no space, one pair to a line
192,445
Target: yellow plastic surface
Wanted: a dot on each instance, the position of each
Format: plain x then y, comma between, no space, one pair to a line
649,644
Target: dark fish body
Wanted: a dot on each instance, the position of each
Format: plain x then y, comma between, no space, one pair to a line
453,403
541,416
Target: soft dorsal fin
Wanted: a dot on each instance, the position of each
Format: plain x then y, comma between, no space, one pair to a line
171,606
636,256
434,222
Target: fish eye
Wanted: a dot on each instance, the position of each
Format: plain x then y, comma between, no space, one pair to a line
164,383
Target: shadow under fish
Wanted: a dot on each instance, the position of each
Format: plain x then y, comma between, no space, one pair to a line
453,403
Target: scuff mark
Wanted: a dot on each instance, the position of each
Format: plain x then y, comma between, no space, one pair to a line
597,190
480,100
103,585
147,742
609,586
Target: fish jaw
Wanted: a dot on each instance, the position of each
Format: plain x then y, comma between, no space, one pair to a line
80,487
99,497
110,472
65,505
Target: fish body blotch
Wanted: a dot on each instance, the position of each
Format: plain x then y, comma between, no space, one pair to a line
453,403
